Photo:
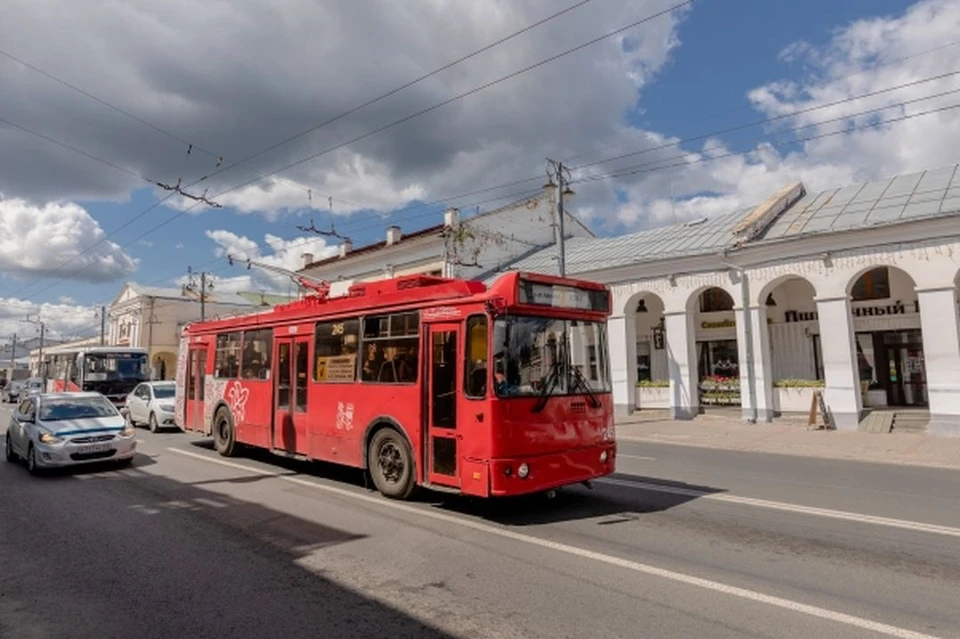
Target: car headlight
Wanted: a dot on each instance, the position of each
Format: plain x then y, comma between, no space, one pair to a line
127,431
47,438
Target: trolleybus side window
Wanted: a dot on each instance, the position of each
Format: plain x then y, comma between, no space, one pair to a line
475,356
257,348
227,363
335,351
391,344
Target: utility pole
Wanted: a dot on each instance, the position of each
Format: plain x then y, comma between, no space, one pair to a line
150,322
41,369
556,170
13,359
192,286
103,325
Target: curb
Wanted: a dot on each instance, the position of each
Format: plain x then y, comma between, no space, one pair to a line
889,462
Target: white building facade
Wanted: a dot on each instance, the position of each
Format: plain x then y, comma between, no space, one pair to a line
465,247
152,318
851,291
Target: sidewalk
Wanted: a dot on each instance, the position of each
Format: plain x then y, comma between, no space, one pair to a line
790,436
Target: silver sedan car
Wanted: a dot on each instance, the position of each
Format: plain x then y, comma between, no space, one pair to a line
52,430
152,403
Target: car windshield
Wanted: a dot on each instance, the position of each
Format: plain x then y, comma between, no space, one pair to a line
165,391
115,366
59,409
546,356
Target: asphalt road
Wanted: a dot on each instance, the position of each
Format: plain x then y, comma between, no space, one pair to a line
683,542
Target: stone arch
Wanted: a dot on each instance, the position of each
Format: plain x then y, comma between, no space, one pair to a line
163,365
856,276
889,354
761,294
692,304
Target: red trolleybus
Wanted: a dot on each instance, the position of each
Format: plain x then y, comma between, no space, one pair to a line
423,381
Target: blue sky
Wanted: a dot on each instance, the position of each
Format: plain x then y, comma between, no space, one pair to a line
703,66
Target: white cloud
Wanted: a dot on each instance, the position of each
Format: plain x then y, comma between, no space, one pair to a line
178,246
37,239
62,321
170,55
866,56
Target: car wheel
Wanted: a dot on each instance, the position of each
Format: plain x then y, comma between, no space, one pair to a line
32,466
154,426
224,439
11,456
391,464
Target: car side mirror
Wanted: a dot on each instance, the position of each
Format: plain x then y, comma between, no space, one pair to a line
29,419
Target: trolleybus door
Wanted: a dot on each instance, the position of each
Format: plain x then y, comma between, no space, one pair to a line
443,368
292,364
196,374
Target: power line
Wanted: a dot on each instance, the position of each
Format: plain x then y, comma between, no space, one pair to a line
713,134
710,158
409,84
771,119
473,91
748,106
502,40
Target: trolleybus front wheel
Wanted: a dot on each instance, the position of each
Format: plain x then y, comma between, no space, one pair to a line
391,464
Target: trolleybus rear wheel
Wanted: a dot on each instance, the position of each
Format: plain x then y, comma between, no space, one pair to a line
224,439
391,464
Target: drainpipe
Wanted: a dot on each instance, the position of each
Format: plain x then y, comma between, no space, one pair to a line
747,335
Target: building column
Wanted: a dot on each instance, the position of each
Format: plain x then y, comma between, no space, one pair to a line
762,377
622,336
682,365
842,394
941,355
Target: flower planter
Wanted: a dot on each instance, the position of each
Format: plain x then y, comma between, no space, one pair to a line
720,391
653,397
793,399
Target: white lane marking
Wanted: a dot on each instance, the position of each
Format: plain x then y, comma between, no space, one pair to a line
793,508
637,457
715,586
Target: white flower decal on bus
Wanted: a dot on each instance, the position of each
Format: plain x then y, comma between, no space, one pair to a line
237,400
344,416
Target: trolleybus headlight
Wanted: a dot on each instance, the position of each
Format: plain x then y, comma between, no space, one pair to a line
522,471
603,457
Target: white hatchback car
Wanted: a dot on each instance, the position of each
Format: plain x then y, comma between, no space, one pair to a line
152,403
65,429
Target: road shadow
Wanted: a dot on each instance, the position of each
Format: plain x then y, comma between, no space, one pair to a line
623,498
606,502
187,561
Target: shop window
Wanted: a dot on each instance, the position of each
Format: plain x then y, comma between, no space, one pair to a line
714,300
390,347
335,351
475,371
872,285
257,346
227,362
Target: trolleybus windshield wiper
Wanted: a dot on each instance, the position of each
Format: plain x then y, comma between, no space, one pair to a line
582,382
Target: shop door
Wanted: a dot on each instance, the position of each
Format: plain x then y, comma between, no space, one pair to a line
441,404
908,381
196,376
291,364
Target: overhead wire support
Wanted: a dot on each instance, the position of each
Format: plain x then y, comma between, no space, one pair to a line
200,199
